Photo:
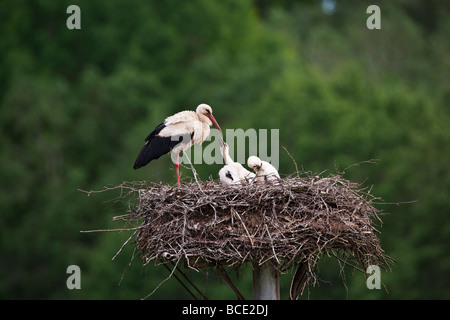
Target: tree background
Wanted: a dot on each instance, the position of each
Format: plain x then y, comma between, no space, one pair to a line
75,106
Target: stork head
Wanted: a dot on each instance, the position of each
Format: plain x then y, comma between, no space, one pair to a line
204,110
254,162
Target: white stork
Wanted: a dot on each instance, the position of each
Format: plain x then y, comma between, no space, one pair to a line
177,133
264,170
233,172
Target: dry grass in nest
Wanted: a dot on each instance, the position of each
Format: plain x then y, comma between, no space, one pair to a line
295,219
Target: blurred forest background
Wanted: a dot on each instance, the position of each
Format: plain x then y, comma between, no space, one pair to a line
76,105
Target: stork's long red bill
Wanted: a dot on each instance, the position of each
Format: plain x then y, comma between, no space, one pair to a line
213,120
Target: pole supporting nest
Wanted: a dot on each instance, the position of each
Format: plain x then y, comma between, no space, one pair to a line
266,282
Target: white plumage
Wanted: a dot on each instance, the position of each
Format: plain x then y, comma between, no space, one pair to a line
177,133
264,170
233,172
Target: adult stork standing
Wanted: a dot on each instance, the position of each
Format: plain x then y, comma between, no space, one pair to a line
177,133
233,172
264,170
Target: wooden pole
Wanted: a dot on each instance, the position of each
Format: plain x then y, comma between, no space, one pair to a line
266,282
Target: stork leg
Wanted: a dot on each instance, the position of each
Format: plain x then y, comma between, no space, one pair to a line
177,165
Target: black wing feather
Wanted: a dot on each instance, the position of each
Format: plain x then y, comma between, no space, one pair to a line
156,146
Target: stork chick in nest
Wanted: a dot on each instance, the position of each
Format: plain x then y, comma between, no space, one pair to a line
233,172
264,170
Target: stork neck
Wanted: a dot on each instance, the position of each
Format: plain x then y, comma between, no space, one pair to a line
226,157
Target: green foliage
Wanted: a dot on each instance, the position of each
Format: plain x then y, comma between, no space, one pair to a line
75,106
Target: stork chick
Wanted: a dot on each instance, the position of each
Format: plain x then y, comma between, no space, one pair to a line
233,172
264,170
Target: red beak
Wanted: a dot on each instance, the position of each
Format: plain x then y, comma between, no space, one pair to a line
211,117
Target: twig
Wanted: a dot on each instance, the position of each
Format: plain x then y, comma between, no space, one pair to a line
194,172
371,161
123,245
190,282
170,275
295,163
228,281
181,282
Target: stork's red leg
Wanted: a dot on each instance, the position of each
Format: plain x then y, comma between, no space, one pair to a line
177,165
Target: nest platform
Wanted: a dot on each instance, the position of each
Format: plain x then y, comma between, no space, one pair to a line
294,219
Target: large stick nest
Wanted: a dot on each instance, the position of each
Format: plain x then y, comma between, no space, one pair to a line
291,220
